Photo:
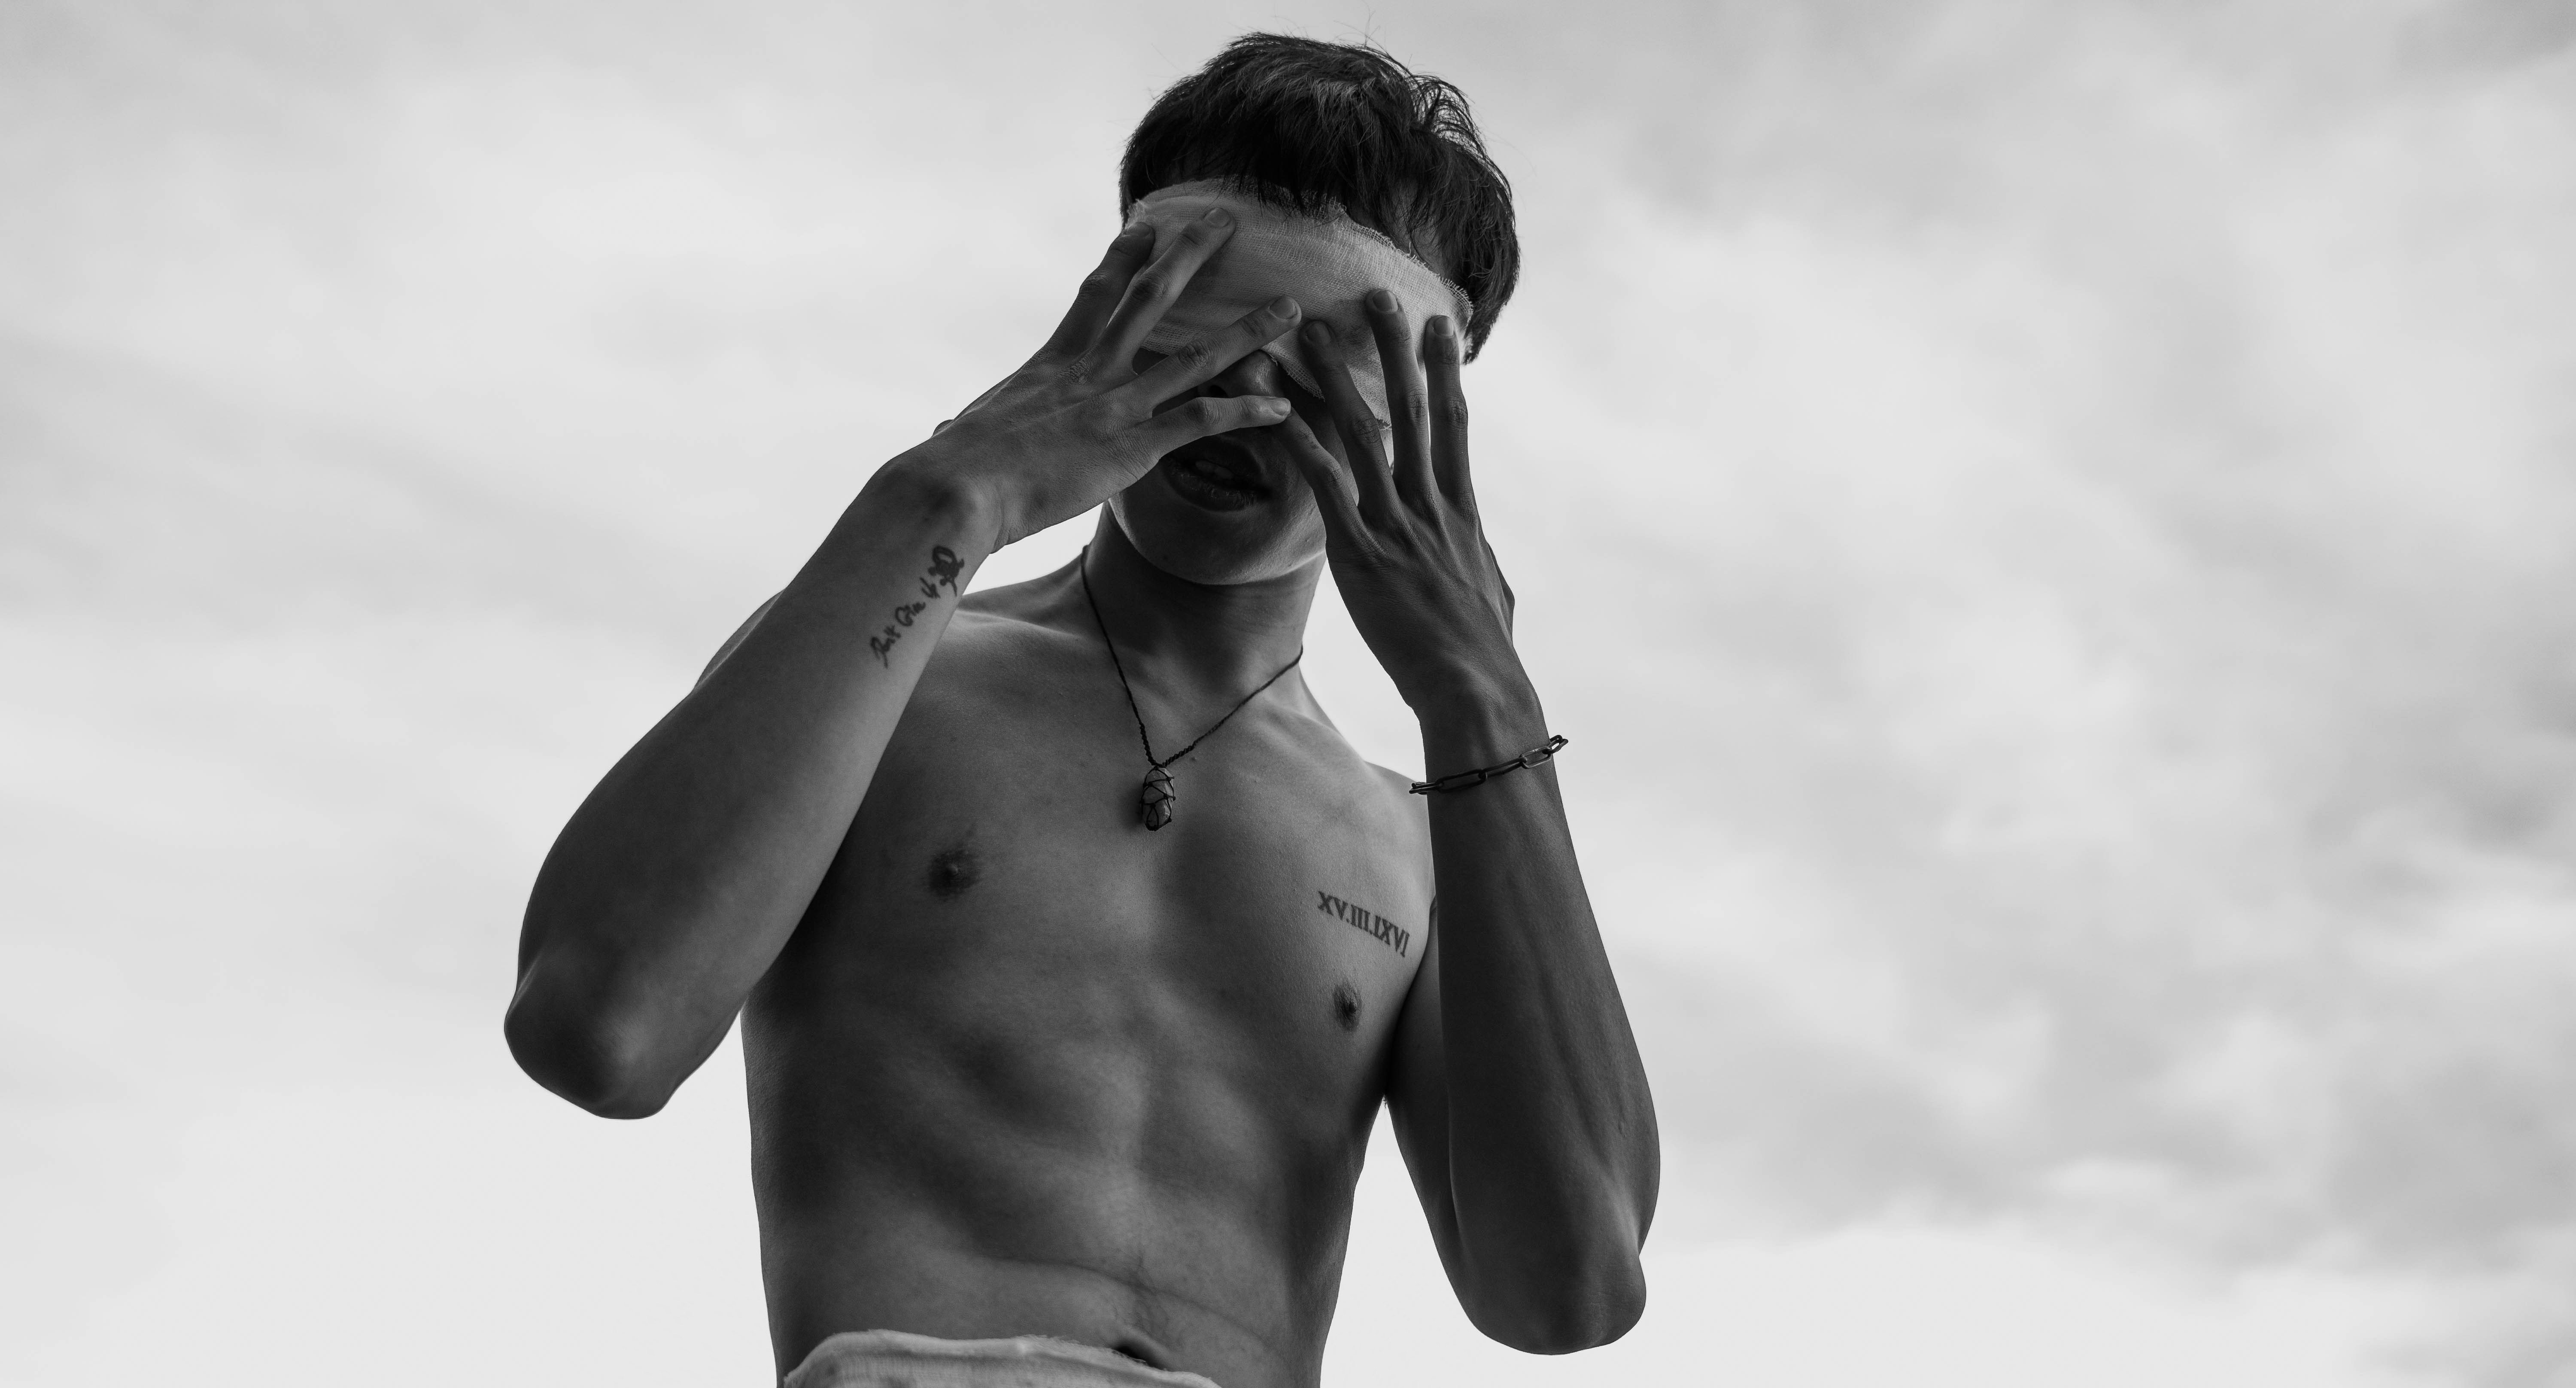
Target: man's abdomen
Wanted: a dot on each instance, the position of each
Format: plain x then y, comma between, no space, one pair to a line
1021,1164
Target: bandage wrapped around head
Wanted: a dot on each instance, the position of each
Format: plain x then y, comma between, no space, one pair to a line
1329,263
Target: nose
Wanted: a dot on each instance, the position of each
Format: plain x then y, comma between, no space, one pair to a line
1255,374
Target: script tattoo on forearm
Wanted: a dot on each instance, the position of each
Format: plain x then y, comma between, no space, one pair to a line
1386,932
944,568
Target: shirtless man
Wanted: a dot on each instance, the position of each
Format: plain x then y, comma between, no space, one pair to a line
1022,1063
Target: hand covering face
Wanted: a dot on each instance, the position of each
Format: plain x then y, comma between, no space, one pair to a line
1329,262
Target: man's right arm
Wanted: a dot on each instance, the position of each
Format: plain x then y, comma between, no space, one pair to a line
680,879
677,883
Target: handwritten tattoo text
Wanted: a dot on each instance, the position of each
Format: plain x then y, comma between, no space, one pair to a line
944,568
1385,931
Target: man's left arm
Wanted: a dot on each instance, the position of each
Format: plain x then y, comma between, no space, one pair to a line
1518,1093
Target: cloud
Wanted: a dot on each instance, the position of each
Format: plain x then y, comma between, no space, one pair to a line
2074,602
2046,527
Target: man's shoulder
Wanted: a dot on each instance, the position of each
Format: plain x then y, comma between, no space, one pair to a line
1038,603
1007,635
1374,799
1397,789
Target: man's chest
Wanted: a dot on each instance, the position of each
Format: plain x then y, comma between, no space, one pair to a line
999,867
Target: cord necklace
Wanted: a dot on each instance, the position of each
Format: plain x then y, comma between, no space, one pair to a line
1155,801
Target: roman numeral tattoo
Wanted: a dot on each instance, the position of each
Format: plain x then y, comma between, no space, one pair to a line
944,568
1384,931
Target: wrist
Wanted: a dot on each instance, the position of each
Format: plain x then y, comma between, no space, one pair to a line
1476,717
938,496
905,510
1471,689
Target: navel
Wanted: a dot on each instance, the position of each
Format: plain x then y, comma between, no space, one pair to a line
1346,1006
953,871
1144,1349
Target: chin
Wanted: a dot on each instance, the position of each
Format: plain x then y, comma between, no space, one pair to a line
1214,538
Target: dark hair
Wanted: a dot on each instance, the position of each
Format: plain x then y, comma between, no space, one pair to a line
1308,124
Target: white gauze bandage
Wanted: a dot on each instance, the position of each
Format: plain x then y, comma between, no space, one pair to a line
1329,263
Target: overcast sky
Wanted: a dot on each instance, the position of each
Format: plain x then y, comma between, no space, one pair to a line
2048,525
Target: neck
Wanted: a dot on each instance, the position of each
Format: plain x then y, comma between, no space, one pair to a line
1194,641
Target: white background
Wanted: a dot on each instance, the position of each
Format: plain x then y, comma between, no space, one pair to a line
2049,526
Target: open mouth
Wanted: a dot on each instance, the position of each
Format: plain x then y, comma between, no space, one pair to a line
1214,475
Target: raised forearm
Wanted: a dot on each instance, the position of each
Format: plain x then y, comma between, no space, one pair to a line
1541,1197
1552,1144
677,883
682,876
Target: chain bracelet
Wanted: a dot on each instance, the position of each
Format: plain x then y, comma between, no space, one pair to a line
1540,755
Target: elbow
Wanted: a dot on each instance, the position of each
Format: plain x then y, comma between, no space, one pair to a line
1590,1304
582,1057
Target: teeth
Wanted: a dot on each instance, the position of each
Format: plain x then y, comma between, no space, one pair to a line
1215,476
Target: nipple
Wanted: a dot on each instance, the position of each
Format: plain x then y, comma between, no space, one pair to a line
953,871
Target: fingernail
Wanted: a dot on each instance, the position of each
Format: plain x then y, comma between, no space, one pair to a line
1318,334
1272,404
1440,326
1133,230
1382,301
1218,216
1285,306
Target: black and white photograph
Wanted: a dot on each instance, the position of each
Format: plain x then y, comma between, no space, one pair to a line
1414,694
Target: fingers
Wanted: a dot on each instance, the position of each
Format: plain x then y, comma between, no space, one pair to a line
1199,361
1324,477
1351,418
1210,414
1154,289
1407,410
1448,412
1101,290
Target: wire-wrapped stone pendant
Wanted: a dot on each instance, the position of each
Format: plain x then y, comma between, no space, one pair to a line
1154,803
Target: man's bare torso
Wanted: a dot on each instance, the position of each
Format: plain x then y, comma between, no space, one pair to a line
1028,1068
